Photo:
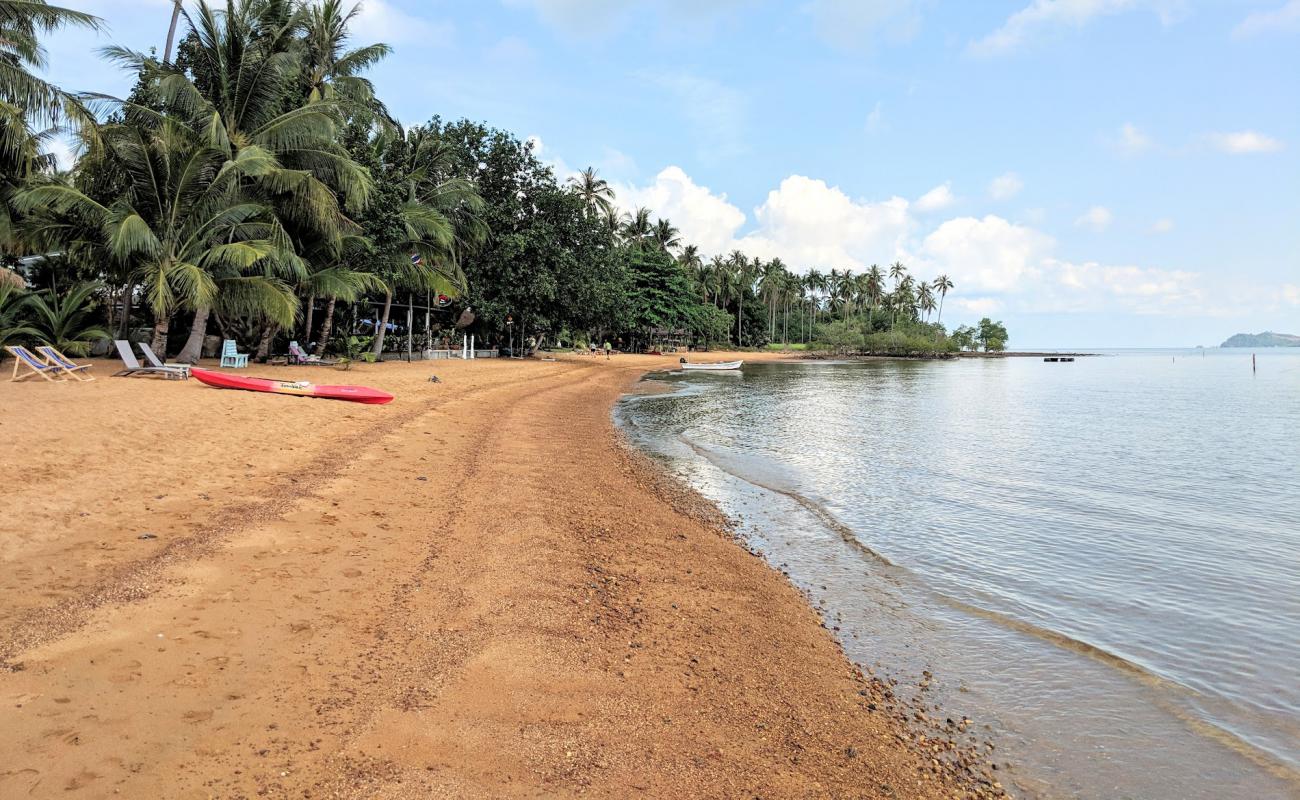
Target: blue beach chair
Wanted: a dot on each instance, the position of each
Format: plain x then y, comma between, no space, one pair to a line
57,359
230,357
25,358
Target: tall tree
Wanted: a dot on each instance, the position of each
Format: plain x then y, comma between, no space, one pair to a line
941,285
594,190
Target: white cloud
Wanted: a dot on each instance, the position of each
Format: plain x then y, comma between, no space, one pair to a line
978,306
379,21
1291,294
1281,20
938,198
855,23
705,219
1005,186
1097,218
1132,140
715,111
1045,17
1244,142
989,254
810,224
1162,225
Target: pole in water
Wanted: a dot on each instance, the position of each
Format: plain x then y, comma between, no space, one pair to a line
1252,364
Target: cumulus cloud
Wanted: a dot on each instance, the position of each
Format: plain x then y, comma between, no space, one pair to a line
1005,186
938,198
1291,294
1047,17
1162,225
1280,20
705,219
1244,142
807,222
1097,218
986,255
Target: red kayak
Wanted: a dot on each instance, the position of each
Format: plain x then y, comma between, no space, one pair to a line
357,394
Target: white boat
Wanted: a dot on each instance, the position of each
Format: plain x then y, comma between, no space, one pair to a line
716,365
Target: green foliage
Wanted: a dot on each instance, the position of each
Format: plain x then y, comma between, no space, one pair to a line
64,320
840,336
14,326
992,336
964,337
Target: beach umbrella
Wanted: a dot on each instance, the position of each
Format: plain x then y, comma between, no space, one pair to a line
466,319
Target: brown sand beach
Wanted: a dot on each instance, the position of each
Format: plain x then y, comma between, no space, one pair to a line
475,591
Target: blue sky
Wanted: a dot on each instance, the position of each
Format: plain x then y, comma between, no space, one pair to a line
1093,172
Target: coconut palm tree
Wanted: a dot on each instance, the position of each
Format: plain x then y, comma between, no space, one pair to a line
594,190
31,109
666,236
334,72
941,285
440,219
245,66
637,227
925,299
195,238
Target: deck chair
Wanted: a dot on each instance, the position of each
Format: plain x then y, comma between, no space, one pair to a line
299,356
133,367
25,359
154,361
55,358
230,357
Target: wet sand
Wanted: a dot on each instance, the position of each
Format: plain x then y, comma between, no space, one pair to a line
475,591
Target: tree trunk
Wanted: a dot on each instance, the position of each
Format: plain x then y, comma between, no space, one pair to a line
194,344
124,329
161,327
311,308
268,336
326,327
171,32
383,325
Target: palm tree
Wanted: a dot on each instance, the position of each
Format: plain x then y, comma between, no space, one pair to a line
666,236
594,191
334,72
251,66
941,285
171,31
30,108
195,236
440,219
636,226
925,299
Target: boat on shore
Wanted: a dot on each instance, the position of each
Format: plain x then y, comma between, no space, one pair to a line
355,394
712,366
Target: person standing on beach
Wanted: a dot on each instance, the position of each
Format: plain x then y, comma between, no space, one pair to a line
607,348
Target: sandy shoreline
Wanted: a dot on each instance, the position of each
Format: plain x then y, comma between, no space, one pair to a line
475,591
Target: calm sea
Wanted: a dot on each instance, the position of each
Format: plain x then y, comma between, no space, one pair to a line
1099,561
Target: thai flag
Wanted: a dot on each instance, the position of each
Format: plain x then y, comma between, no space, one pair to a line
416,259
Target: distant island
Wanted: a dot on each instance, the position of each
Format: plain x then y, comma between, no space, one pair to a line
1265,339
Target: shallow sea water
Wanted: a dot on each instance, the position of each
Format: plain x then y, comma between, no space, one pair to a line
1098,560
